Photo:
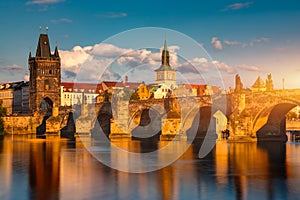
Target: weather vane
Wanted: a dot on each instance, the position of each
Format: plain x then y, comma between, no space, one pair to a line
47,28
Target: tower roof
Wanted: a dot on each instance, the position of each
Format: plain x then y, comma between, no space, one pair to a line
56,52
165,60
259,83
43,48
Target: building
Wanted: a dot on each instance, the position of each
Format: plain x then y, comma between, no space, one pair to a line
21,98
88,93
15,97
159,91
78,93
196,90
7,95
165,74
45,76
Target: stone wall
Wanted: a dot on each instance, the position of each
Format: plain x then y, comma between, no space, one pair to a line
21,124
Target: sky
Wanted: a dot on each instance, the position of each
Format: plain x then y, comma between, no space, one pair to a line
209,41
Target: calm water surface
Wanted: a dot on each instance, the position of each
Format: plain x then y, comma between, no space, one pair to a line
55,169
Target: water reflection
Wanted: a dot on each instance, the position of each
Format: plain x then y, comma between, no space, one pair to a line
55,169
44,169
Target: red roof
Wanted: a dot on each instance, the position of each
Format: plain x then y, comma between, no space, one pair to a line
82,87
110,83
126,85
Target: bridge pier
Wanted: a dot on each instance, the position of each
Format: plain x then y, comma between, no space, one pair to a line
119,123
171,130
84,122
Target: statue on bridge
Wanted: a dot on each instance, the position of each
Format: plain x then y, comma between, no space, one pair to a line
269,83
238,84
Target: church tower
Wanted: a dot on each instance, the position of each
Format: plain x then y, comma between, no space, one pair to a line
45,77
165,74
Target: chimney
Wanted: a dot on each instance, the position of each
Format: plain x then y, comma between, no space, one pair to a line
126,79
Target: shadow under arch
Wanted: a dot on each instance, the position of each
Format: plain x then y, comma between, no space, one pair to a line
270,123
46,107
200,124
146,124
102,122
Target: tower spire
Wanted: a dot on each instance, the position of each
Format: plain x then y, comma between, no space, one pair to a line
56,51
165,55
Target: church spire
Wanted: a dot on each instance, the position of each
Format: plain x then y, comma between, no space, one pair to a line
165,55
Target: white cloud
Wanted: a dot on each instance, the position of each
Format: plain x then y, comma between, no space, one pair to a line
249,67
61,20
237,6
11,73
217,44
233,43
224,67
112,15
196,65
40,2
109,62
259,40
242,44
12,68
106,50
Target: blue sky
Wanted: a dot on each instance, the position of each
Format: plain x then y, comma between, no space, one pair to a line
247,37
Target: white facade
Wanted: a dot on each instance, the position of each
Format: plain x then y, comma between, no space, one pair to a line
161,91
71,96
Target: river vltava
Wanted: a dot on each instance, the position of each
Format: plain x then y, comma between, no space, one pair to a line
58,169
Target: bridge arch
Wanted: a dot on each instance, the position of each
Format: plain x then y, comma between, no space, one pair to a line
269,122
46,106
100,122
196,123
146,122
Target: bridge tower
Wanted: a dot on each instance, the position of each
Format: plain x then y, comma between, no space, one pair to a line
45,77
165,74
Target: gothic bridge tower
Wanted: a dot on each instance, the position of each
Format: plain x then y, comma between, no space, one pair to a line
45,77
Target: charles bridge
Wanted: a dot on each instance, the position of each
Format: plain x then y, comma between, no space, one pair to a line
248,115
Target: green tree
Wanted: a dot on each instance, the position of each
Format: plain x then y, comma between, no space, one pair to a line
2,114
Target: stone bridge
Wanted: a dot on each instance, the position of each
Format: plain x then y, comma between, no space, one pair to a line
247,115
261,115
169,118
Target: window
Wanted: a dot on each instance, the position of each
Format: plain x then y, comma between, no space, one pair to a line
47,85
